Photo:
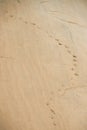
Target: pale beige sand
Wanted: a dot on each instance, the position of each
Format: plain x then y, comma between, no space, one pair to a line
43,65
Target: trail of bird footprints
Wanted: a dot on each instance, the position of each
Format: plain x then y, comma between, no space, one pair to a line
74,76
73,68
52,113
74,60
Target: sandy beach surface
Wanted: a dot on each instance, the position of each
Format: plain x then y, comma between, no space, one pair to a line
43,65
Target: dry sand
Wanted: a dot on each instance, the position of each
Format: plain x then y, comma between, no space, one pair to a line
43,65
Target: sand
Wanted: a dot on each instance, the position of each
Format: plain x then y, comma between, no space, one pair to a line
43,65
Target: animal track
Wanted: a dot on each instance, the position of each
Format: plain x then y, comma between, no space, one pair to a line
66,46
75,64
11,16
53,113
18,1
52,117
42,2
72,69
76,74
54,123
74,56
37,26
5,57
33,24
47,104
74,59
57,40
26,22
60,43
69,51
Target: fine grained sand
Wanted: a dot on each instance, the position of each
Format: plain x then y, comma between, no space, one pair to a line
43,65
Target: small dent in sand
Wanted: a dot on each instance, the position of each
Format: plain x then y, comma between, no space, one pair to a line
57,40
11,16
60,43
45,1
76,74
26,22
6,57
74,56
18,1
52,111
33,24
54,124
